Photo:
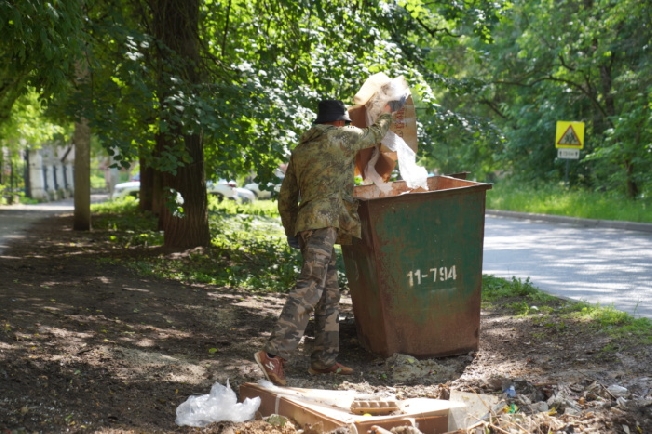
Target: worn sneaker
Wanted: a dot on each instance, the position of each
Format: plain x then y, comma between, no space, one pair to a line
272,367
335,369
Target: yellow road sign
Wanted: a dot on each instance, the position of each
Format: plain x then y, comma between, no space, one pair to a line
569,135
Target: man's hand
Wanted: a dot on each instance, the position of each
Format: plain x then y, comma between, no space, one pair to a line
398,104
293,242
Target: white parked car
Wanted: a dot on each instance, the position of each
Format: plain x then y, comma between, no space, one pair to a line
244,195
222,189
272,190
125,189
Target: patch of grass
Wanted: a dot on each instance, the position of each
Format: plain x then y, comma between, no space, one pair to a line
262,208
29,201
248,246
618,324
571,202
122,215
495,288
519,307
126,225
550,312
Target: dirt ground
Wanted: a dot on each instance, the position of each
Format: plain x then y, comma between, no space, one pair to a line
86,345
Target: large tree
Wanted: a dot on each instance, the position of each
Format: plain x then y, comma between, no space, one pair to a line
184,216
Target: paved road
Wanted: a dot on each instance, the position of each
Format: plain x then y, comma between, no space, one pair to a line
599,264
15,220
602,264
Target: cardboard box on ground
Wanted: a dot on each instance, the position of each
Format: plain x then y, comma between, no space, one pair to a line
405,126
327,410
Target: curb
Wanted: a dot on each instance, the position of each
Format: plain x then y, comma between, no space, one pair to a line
590,223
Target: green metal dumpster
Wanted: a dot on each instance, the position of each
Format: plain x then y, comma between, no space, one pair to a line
416,274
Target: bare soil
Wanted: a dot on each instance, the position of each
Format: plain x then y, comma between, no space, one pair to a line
87,345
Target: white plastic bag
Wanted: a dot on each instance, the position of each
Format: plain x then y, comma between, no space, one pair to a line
413,174
220,404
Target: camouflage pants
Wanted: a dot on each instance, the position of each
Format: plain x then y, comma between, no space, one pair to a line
317,290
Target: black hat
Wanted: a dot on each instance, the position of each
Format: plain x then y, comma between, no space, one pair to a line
330,110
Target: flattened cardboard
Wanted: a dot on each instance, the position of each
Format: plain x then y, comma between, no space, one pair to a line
385,164
330,409
476,407
405,126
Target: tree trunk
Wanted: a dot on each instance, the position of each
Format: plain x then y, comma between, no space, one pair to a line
81,138
191,229
146,186
631,185
176,26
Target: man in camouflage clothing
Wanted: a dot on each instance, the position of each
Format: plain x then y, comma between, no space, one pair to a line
320,173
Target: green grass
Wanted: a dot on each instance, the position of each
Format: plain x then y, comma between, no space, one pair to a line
126,226
523,299
559,200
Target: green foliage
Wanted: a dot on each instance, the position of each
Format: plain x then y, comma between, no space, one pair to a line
555,61
287,57
26,126
571,202
40,41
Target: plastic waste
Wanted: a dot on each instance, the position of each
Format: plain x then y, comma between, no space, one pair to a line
617,390
220,404
413,174
510,391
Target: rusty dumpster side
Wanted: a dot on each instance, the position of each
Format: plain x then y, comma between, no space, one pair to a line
416,274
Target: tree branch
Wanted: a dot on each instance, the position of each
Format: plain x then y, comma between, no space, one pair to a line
434,31
494,107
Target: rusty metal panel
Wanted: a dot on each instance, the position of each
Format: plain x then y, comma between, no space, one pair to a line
416,275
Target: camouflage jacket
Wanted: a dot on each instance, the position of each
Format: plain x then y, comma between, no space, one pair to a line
320,175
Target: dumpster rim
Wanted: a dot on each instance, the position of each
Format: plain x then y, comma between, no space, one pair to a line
479,186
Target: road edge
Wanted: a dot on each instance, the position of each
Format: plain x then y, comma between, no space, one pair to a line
592,223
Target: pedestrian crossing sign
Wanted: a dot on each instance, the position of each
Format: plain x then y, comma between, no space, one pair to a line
569,135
